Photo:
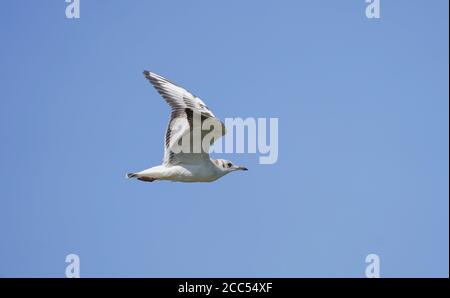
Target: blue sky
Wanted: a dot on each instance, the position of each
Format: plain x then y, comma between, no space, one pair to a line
363,138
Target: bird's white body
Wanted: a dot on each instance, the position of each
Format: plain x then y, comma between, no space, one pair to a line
204,172
179,165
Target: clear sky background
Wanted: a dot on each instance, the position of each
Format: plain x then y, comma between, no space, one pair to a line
363,138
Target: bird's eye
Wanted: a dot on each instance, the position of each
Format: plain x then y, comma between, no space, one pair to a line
229,164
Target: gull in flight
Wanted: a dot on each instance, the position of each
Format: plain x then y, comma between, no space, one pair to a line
187,165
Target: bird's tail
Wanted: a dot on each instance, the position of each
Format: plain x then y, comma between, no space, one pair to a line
140,177
131,175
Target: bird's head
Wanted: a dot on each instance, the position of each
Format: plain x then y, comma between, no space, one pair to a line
227,166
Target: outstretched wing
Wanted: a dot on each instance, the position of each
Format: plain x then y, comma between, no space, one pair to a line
185,108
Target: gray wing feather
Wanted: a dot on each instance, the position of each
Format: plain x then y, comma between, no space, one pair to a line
184,106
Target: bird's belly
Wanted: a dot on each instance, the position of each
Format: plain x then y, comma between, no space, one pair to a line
192,174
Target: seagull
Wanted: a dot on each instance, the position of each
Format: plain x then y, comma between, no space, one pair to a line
179,165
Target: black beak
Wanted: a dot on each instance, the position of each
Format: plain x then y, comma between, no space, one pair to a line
243,168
